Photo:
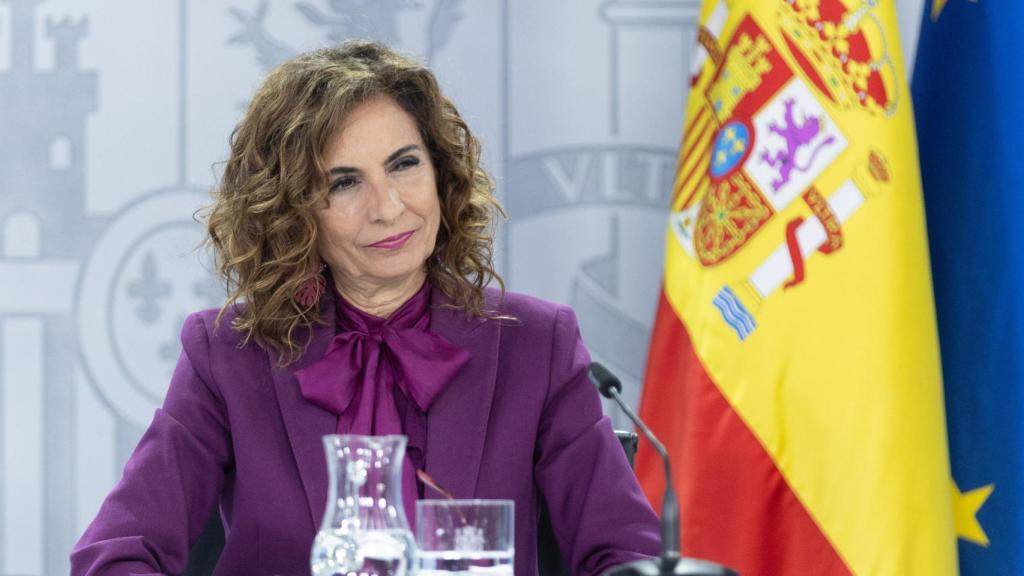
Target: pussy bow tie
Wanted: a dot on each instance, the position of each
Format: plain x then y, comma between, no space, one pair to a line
364,361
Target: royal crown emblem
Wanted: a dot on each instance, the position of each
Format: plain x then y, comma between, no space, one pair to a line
843,52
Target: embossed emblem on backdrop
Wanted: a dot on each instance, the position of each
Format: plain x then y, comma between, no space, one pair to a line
339,20
143,276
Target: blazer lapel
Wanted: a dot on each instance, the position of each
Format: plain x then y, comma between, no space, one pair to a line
306,423
457,421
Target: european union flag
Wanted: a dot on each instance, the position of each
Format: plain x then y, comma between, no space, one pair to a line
969,96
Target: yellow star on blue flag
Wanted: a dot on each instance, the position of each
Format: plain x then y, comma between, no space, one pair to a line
937,6
965,513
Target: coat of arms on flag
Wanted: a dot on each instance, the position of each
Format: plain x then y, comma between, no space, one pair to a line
761,138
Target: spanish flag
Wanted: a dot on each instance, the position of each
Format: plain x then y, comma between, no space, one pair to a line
794,370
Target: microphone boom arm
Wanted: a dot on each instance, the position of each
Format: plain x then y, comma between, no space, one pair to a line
671,561
669,504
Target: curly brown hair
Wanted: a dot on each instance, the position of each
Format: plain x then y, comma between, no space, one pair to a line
261,223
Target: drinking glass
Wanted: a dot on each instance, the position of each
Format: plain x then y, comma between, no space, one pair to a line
465,537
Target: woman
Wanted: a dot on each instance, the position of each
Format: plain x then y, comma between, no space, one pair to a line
355,223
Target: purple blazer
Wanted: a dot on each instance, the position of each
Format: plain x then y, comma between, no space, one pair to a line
521,420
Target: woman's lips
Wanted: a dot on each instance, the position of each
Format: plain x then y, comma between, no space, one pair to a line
393,242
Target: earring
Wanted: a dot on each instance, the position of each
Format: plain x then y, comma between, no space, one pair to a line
312,289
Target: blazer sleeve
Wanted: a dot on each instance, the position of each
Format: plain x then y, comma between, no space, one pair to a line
172,480
600,516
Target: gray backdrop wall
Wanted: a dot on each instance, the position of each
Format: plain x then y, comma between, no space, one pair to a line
114,113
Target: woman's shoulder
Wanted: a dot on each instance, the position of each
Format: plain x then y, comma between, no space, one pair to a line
524,309
212,329
218,352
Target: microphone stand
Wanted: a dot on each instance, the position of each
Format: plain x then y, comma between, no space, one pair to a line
671,561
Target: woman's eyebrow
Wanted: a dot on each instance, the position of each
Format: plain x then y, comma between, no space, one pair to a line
403,150
394,156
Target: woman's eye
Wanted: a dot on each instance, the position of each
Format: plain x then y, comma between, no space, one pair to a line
343,183
406,163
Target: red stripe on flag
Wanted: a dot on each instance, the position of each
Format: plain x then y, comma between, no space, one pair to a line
698,170
701,142
702,185
701,122
737,509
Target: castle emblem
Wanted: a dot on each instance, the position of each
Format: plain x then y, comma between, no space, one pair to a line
744,70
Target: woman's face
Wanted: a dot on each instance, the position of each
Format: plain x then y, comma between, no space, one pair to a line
381,222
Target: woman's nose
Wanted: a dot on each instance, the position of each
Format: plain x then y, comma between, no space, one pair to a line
386,203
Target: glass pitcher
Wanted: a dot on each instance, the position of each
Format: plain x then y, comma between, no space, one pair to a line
364,531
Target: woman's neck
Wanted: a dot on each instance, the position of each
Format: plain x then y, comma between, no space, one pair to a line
377,299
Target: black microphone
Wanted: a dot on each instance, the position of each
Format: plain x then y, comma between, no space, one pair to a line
670,562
